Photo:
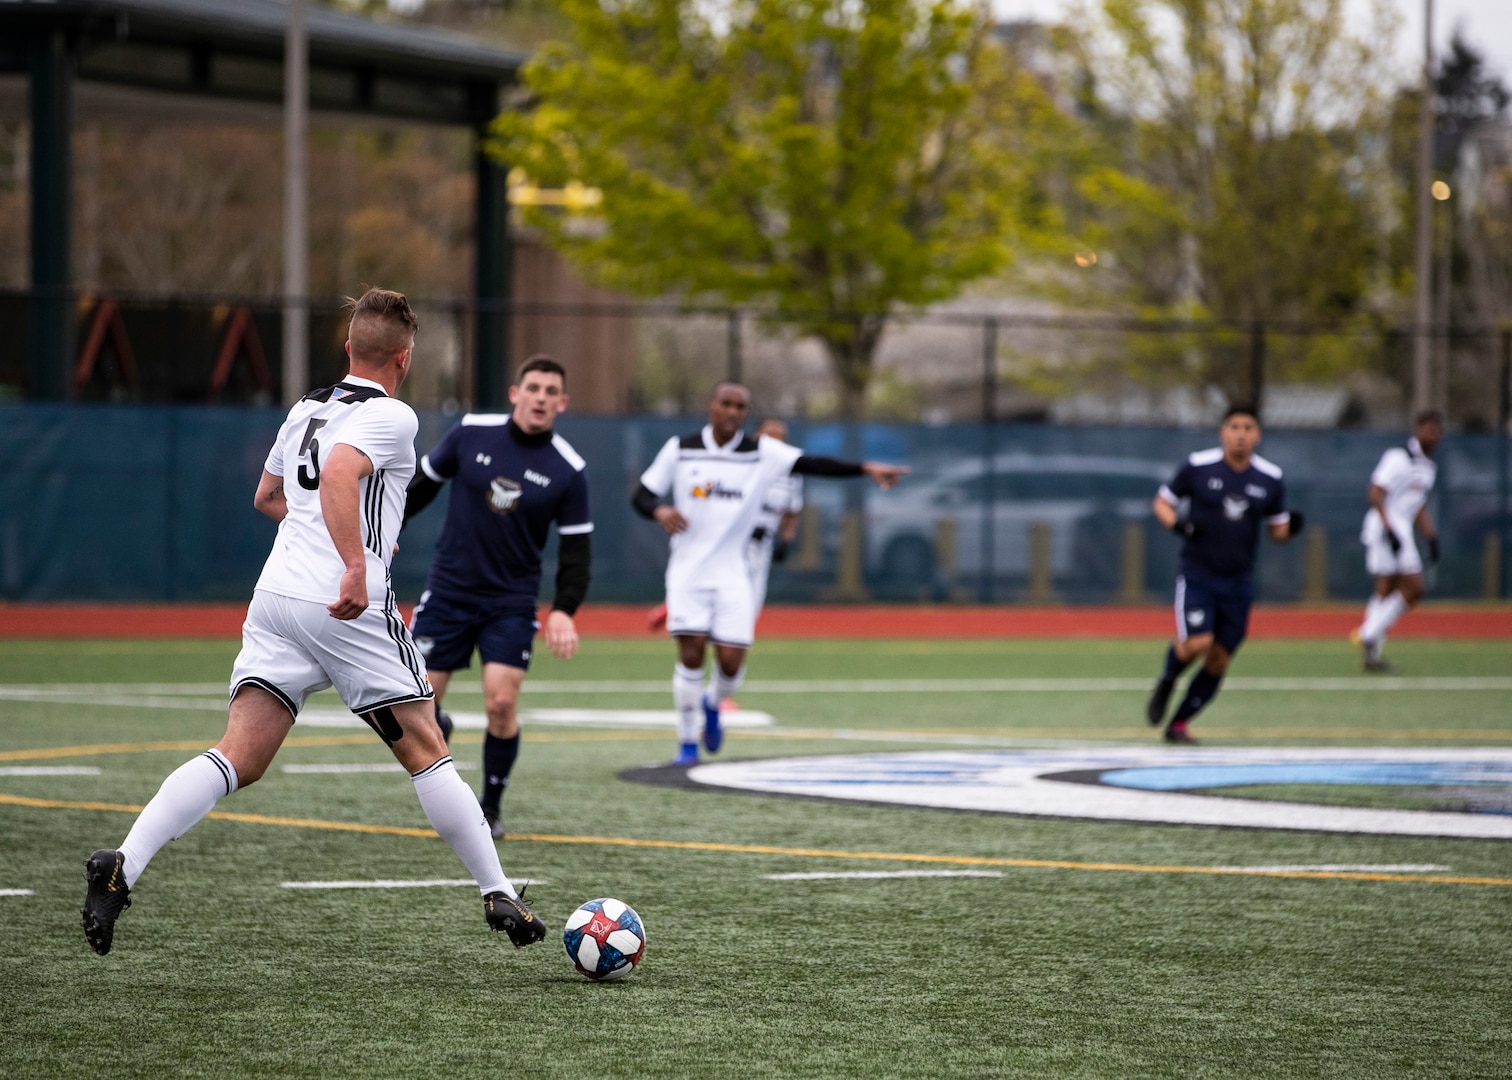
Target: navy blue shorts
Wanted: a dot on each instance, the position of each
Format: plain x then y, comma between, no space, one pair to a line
447,629
1217,606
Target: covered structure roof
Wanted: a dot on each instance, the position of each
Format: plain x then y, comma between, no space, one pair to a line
168,60
233,49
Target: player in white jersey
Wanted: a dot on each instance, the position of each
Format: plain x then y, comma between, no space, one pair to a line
1398,493
777,524
717,479
776,528
323,615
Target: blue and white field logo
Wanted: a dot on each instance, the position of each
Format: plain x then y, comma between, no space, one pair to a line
1158,784
605,939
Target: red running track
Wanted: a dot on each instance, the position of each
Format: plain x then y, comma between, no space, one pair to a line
1463,622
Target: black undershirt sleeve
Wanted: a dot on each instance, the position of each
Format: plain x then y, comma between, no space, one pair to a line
422,489
809,465
644,501
574,570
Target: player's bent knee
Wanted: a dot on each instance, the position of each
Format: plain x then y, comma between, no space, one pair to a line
1194,646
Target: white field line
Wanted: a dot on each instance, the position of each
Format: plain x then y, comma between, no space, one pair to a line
195,695
16,892
49,770
883,874
370,767
1040,686
519,883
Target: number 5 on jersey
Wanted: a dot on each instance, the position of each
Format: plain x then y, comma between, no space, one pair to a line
310,480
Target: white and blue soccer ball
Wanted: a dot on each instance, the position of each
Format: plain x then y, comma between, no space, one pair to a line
605,939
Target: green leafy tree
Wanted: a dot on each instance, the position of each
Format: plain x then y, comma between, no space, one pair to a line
1248,175
831,159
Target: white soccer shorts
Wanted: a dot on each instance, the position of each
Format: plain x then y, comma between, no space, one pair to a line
1381,561
725,613
293,648
759,566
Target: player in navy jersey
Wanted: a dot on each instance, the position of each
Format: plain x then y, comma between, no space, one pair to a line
514,477
1230,492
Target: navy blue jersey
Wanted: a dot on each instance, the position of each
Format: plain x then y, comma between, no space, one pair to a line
1227,508
508,487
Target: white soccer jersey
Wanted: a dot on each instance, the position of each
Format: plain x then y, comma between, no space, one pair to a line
785,496
1407,475
304,563
720,491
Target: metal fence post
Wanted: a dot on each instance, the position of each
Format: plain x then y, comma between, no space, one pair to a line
732,346
1503,434
985,589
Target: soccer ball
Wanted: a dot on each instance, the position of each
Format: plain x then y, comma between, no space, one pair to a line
605,939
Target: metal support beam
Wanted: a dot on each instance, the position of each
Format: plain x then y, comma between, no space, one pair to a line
53,64
492,286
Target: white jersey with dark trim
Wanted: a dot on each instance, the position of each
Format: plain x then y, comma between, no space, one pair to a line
719,490
1407,475
355,412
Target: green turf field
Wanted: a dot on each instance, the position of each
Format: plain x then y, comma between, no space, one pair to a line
1127,957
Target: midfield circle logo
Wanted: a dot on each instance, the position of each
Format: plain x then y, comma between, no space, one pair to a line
1162,784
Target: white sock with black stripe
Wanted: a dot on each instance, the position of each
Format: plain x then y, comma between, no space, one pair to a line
724,686
190,792
453,811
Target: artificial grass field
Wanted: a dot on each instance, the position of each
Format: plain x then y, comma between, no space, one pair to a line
1080,970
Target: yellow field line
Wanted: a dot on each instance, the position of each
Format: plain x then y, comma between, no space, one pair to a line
801,853
178,744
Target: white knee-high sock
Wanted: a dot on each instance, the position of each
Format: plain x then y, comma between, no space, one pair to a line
1371,607
190,792
687,698
724,685
1387,612
453,811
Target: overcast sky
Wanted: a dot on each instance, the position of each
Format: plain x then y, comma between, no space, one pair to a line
1487,25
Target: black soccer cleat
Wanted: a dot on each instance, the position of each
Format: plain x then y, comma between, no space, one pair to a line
506,915
495,824
1160,697
1176,732
105,899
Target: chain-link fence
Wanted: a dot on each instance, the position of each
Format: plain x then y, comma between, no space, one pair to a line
982,361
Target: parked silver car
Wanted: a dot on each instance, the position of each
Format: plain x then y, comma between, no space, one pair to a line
1069,493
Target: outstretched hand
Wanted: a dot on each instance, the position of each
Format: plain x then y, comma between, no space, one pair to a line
885,476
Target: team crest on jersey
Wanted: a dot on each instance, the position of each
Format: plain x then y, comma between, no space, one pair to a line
1254,491
503,495
1233,508
715,490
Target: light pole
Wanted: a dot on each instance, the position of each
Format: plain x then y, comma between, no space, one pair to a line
1422,392
296,314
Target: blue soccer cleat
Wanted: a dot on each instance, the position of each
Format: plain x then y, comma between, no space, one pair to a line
713,734
687,755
